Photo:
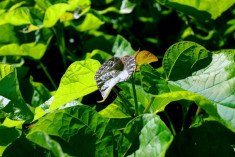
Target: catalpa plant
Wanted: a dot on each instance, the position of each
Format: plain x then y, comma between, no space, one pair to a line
119,69
136,122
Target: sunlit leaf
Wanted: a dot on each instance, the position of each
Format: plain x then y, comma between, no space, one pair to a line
18,16
122,47
90,22
201,9
77,81
53,13
195,74
127,6
112,72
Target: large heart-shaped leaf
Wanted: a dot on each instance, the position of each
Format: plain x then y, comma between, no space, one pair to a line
82,127
145,135
206,78
77,81
112,72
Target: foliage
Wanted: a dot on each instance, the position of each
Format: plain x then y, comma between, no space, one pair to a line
164,70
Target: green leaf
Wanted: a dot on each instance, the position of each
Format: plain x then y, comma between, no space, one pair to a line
40,94
201,9
17,17
143,97
8,135
112,72
181,54
13,123
145,135
90,22
208,80
152,81
43,140
7,34
43,109
215,82
82,127
77,81
122,47
99,55
114,111
53,13
209,139
33,49
12,102
127,6
22,146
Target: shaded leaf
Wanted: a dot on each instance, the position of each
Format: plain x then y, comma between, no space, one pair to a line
82,127
112,72
99,55
33,49
77,81
12,102
43,140
22,146
145,135
152,81
40,94
8,135
209,139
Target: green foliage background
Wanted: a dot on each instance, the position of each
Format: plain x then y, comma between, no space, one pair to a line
50,51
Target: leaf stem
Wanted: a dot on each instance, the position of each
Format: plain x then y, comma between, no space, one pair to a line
171,124
47,74
124,101
134,94
59,33
198,110
149,104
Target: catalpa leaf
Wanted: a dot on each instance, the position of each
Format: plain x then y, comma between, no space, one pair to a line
145,135
77,82
87,132
112,72
143,57
196,74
